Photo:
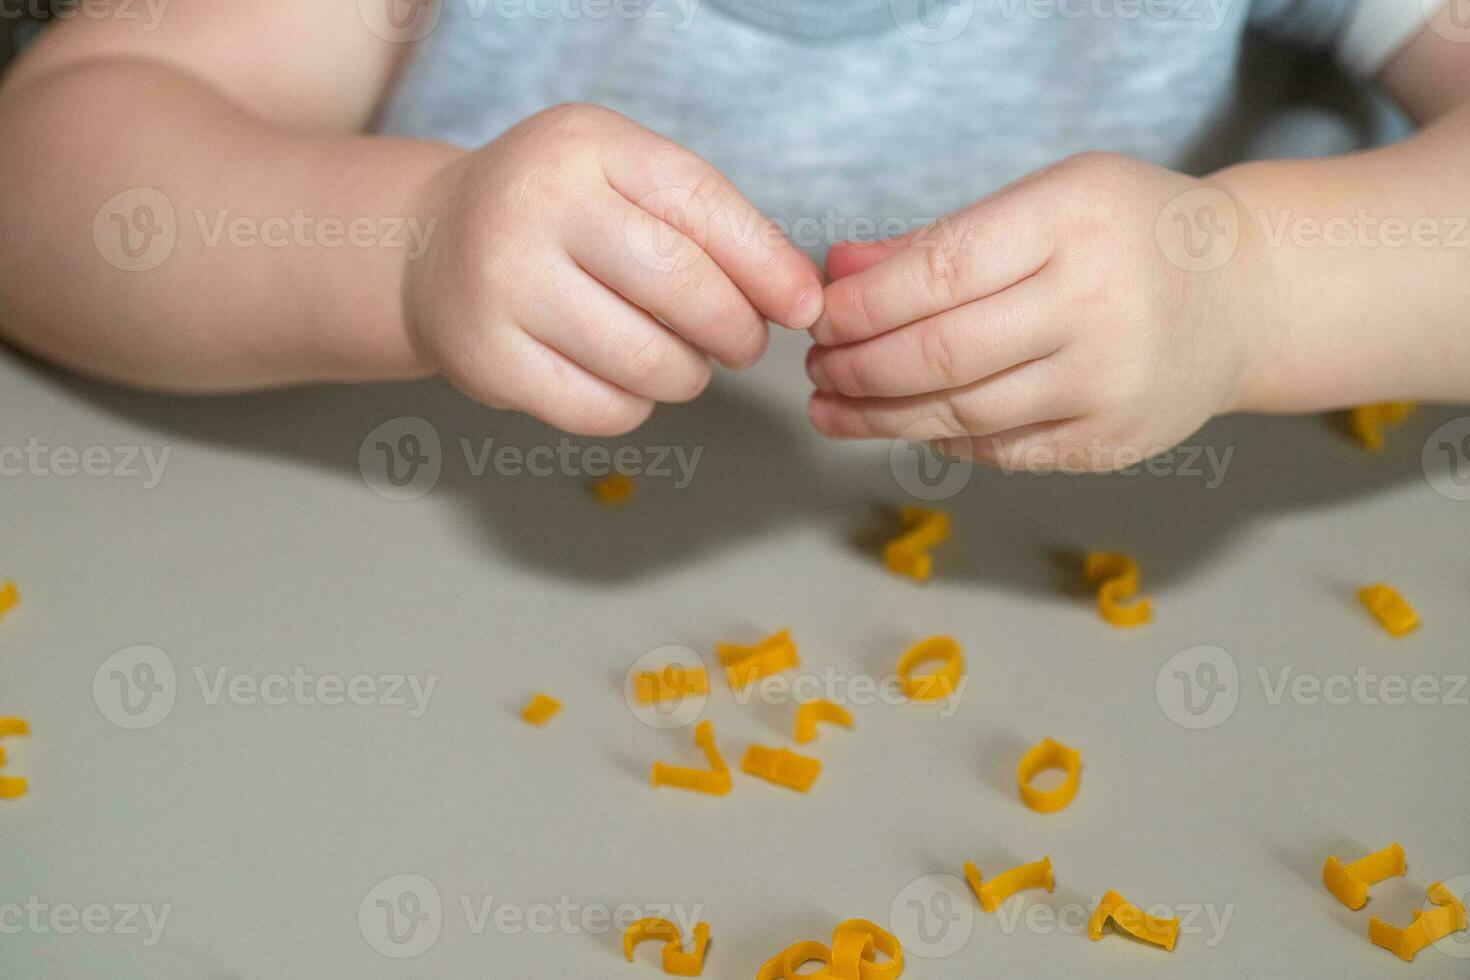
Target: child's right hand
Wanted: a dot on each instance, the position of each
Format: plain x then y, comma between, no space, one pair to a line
560,247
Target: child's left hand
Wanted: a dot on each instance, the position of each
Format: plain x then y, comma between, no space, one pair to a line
1045,327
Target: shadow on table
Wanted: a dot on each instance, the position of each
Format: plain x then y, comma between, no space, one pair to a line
739,469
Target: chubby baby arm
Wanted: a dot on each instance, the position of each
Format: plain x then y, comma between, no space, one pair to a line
194,207
165,183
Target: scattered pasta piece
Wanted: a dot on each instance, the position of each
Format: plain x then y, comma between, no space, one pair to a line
1389,608
785,963
782,767
12,726
1047,754
715,780
8,597
1368,422
856,945
746,665
992,893
809,713
614,489
1116,577
1427,927
923,531
12,787
540,709
849,951
675,681
1132,920
1350,882
940,684
677,961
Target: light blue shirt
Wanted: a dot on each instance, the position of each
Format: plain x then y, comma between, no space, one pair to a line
861,118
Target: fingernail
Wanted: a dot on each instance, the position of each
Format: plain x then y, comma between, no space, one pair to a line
806,309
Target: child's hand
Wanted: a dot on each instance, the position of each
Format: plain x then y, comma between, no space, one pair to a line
1042,328
562,245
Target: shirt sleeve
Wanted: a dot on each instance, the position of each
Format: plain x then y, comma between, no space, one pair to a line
1364,34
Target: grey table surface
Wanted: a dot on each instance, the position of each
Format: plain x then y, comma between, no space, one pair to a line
274,697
